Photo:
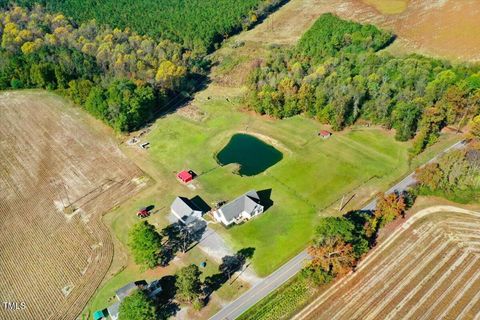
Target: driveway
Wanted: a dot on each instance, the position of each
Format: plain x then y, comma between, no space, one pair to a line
214,246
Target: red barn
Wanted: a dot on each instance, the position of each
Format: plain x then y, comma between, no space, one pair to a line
185,176
324,134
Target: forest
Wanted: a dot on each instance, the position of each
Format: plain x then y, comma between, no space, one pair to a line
118,75
209,21
338,74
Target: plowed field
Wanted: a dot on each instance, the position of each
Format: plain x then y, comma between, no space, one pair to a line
428,269
59,171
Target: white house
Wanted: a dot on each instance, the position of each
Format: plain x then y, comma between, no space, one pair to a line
242,208
185,210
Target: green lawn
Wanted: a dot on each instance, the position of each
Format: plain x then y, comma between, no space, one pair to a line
313,173
307,183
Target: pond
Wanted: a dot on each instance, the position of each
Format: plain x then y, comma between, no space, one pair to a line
252,154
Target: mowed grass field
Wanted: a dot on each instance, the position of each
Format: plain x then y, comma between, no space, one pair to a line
313,175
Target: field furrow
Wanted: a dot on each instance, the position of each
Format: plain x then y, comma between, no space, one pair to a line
58,175
426,269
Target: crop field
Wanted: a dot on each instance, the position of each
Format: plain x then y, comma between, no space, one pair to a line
59,171
441,28
427,269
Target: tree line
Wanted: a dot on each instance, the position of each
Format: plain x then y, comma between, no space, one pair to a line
340,242
117,75
196,24
456,174
337,75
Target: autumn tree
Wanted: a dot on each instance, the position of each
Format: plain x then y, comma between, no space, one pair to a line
389,207
474,128
429,175
332,250
332,255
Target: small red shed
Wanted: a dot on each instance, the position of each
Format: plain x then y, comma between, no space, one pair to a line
324,134
185,176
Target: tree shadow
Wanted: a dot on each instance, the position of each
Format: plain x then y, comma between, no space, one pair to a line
165,300
265,198
180,237
229,265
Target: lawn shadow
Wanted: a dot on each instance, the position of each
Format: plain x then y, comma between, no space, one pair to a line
165,301
229,265
265,198
180,237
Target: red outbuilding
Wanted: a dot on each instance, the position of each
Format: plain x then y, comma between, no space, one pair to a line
324,134
185,176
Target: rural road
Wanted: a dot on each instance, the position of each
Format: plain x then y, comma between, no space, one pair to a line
234,309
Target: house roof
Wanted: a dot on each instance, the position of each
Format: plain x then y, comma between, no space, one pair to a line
183,207
325,133
246,202
127,289
113,310
185,175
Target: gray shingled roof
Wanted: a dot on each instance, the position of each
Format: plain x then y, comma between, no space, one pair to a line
183,207
113,310
127,289
246,202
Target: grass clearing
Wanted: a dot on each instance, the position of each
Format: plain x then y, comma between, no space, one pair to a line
389,6
313,174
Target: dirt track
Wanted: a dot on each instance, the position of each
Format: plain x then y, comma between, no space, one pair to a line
427,269
52,157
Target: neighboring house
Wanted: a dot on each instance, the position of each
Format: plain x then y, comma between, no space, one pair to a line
152,289
242,208
128,289
113,310
185,210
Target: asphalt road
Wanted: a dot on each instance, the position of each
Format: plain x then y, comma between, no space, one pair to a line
234,309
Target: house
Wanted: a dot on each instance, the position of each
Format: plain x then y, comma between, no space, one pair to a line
113,310
129,288
185,210
324,134
152,289
185,176
242,208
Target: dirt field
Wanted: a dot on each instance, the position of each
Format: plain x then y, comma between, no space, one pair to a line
52,157
443,28
427,269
